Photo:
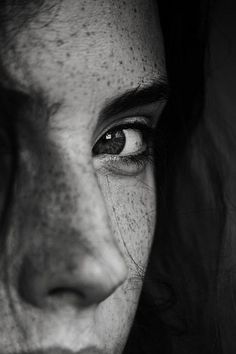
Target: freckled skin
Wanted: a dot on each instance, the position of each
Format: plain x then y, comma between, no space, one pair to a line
73,227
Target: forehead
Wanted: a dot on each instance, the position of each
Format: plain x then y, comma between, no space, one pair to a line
72,49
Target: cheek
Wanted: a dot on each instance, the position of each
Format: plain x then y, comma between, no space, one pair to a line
131,205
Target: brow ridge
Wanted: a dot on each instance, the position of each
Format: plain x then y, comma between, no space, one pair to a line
157,91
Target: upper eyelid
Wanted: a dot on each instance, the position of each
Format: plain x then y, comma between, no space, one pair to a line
150,113
143,95
142,120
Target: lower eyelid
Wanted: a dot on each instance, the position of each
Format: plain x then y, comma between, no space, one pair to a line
123,165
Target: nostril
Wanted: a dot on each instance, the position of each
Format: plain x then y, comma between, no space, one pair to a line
59,291
66,295
81,294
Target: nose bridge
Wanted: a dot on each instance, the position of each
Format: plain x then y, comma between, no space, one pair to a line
78,215
73,249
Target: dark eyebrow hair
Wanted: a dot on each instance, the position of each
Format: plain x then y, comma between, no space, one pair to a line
158,90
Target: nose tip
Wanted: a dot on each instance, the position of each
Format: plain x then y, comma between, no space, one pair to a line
90,283
85,281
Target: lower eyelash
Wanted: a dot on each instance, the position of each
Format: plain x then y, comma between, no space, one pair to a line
120,164
139,159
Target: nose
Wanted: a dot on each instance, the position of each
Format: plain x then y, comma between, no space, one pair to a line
79,278
70,254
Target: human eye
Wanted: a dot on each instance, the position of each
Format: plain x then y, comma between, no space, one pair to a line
124,148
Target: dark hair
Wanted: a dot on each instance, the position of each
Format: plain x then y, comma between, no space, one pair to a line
165,320
170,317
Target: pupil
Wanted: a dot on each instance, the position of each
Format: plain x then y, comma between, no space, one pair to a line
113,142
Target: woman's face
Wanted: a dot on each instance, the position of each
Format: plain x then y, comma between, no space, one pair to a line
88,81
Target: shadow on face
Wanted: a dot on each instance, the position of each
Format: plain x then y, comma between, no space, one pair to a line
85,83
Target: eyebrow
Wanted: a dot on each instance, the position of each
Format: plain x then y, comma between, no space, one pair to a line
157,91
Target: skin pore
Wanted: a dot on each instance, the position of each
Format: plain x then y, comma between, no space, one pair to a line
87,78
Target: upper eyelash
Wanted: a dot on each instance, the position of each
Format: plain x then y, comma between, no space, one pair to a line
144,124
143,127
134,125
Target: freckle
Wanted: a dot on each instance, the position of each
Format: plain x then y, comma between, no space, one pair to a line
72,74
135,10
88,33
59,62
84,25
120,62
60,42
68,55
